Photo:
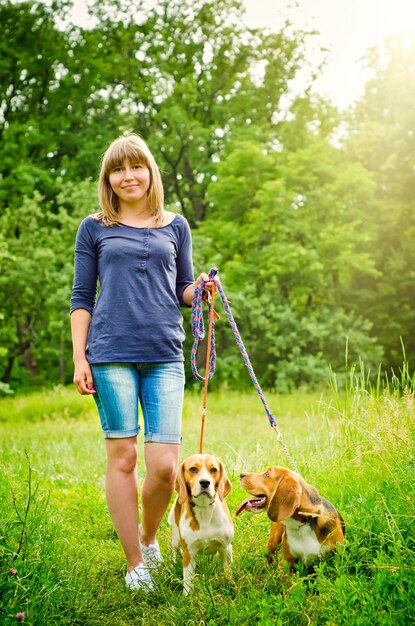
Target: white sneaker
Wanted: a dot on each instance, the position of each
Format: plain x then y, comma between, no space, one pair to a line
152,554
139,578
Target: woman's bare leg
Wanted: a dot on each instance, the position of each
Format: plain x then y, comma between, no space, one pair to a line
161,461
122,495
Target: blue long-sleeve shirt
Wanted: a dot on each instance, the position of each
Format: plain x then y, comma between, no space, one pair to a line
142,273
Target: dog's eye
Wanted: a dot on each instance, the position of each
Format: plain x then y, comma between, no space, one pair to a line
213,470
266,474
193,470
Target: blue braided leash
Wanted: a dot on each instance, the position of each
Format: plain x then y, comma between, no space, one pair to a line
198,331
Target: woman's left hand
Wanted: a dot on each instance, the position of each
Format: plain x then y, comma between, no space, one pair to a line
190,290
204,277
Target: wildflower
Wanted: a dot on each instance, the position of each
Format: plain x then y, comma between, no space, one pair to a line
13,572
21,616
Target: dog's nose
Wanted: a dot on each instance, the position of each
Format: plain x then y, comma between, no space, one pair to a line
204,483
242,475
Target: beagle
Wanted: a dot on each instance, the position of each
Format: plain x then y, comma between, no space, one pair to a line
200,518
304,523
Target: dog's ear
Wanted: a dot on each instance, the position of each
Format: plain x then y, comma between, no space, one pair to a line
181,486
285,499
224,485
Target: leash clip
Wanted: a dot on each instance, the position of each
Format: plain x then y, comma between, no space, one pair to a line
207,297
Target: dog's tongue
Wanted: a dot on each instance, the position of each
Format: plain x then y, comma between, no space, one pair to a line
242,506
247,504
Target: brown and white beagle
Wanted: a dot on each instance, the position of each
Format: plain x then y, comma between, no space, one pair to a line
304,523
200,518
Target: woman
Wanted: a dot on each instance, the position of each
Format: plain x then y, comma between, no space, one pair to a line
127,345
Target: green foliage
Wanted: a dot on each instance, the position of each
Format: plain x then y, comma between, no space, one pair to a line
288,272
36,284
61,562
382,140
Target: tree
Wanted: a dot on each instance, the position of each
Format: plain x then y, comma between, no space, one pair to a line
383,141
188,73
35,285
287,228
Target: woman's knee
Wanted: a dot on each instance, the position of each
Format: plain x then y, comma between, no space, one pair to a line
161,462
122,454
163,473
167,473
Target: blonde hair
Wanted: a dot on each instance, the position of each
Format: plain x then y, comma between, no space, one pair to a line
135,150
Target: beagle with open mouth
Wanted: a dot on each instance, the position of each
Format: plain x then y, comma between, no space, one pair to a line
304,523
200,518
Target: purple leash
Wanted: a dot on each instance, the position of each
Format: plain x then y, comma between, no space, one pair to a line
198,331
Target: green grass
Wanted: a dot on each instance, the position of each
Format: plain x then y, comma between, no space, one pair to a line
358,449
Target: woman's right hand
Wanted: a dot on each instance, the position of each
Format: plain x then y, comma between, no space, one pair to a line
83,377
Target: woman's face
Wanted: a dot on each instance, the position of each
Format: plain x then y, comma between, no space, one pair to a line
130,182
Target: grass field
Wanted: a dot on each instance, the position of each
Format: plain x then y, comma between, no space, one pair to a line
61,562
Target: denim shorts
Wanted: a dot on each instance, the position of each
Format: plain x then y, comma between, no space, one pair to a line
157,387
